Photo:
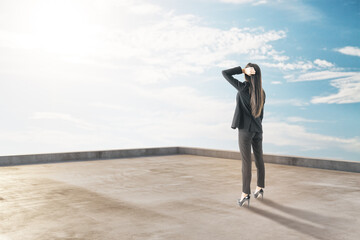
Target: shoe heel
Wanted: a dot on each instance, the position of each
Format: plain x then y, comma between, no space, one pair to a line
242,203
256,195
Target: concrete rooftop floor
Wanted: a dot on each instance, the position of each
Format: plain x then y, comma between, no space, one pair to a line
175,197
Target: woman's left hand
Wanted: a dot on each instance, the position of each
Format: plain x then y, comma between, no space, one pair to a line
250,71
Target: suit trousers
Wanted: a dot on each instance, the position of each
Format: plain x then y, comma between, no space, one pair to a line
246,140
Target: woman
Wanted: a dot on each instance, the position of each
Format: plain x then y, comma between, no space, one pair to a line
249,112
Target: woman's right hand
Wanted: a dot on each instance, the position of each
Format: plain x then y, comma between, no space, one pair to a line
249,71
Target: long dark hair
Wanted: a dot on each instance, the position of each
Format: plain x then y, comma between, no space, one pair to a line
255,90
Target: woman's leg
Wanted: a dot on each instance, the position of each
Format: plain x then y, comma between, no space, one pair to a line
245,150
259,162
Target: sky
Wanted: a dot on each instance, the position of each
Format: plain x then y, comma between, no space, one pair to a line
86,75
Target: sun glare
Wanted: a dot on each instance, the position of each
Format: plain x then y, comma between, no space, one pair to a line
60,27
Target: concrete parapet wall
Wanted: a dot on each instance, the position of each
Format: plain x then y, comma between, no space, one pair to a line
331,164
83,156
341,165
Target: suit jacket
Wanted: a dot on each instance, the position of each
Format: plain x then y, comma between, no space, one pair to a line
243,118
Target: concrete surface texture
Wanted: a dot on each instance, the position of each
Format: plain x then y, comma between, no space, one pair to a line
175,197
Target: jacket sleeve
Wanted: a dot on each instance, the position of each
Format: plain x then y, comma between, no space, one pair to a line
233,81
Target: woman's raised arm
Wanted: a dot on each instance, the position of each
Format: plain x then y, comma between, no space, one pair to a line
233,81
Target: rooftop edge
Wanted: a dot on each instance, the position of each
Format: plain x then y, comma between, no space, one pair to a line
330,164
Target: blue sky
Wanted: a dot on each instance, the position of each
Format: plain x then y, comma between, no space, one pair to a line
92,75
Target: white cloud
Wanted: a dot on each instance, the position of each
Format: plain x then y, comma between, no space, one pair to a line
260,2
349,50
41,140
294,102
323,63
63,117
276,82
348,84
301,119
237,1
277,56
145,8
192,48
322,75
349,91
295,9
164,45
227,63
285,134
299,65
298,10
254,2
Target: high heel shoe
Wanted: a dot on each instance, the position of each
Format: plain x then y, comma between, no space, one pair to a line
256,194
242,201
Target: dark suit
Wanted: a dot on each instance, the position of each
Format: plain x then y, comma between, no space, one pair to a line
242,118
249,131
